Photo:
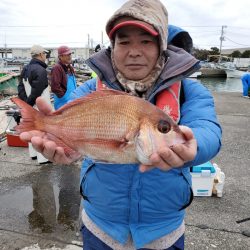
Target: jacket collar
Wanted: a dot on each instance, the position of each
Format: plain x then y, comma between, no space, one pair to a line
37,61
179,65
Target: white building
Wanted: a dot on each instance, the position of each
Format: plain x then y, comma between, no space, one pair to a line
25,52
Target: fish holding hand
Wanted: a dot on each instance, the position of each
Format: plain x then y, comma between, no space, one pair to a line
107,125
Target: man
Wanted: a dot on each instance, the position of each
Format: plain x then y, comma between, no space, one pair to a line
34,80
131,206
34,83
63,80
246,84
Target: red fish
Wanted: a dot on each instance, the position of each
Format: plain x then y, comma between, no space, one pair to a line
106,125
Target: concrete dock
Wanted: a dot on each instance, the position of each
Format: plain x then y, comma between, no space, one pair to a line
39,204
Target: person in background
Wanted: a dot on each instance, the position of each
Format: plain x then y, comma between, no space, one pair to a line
98,47
179,38
245,79
63,80
34,83
133,206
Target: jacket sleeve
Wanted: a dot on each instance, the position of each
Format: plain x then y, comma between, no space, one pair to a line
38,81
20,88
56,81
84,89
198,113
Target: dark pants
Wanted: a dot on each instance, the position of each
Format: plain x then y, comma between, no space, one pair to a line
91,242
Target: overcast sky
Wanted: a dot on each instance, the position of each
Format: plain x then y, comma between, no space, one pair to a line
52,22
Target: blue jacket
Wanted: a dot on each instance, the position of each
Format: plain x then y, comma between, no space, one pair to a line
246,83
121,200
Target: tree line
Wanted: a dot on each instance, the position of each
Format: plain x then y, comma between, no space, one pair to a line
203,54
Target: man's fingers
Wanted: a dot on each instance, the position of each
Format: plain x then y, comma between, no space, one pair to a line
26,136
186,152
43,106
187,132
145,168
158,161
170,158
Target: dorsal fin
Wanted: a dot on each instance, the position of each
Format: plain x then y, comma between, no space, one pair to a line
94,95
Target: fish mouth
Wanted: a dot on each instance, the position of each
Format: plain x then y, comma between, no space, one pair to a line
142,154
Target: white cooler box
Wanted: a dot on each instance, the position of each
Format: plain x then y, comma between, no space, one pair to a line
203,179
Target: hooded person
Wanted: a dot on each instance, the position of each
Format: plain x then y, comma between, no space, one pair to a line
133,206
245,79
179,38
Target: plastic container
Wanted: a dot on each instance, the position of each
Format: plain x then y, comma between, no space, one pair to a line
13,140
203,179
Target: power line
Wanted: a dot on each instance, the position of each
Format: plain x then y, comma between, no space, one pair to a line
46,26
236,42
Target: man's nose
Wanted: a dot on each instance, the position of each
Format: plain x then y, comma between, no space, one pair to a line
135,51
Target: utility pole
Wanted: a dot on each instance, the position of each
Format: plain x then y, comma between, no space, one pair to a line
5,45
222,38
88,44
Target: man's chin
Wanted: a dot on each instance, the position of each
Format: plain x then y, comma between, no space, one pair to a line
134,76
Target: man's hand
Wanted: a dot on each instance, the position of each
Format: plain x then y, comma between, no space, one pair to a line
42,144
166,158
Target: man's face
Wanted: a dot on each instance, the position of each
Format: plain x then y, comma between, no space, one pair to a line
66,59
43,56
135,52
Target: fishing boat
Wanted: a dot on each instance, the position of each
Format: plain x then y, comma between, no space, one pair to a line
231,70
8,83
196,74
210,69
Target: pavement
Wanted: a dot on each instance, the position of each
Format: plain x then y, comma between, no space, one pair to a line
39,204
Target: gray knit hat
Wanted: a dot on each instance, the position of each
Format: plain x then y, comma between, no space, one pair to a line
151,14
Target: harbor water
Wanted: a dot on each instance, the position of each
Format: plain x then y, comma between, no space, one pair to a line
213,84
222,84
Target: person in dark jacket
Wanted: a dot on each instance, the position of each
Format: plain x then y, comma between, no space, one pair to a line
35,74
34,83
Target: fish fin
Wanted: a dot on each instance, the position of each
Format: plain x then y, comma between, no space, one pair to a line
69,152
29,116
94,95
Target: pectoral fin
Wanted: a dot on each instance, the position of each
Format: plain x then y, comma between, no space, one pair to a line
69,152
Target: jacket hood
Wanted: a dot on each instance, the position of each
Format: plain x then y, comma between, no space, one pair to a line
152,12
179,65
179,38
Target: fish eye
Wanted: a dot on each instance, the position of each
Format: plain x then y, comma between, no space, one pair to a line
164,126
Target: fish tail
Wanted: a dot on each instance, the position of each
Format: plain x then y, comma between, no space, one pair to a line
30,117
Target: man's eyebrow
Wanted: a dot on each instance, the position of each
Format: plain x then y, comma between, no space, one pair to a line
121,34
